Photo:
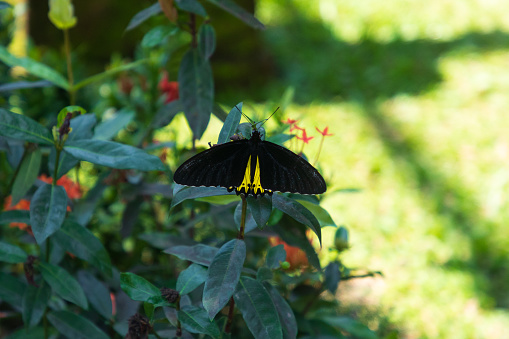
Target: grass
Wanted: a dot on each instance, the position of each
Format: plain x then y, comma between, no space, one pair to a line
416,94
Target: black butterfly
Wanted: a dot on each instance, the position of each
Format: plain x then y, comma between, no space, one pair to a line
251,166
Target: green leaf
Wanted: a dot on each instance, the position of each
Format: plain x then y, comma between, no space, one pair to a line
199,254
149,310
280,139
61,14
230,124
108,73
33,67
275,256
11,289
185,193
79,241
112,154
190,278
239,12
47,211
138,288
81,129
263,274
143,15
196,90
223,276
260,208
109,128
15,216
166,113
257,309
191,6
319,212
21,127
11,254
75,326
298,212
158,35
96,292
4,5
250,222
63,284
32,333
352,326
24,85
332,277
69,109
27,174
195,320
207,40
35,301
285,312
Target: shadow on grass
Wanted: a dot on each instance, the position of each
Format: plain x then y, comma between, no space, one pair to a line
322,68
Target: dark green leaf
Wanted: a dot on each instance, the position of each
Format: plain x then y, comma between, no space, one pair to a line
191,278
149,310
11,254
332,277
191,6
223,275
112,154
25,333
11,290
34,303
34,67
63,284
4,5
298,212
319,212
275,256
352,326
158,35
82,126
97,293
285,312
207,39
109,128
21,127
250,222
15,216
143,15
162,240
75,326
264,274
138,288
85,207
24,84
260,208
185,193
110,72
196,90
27,174
230,124
195,320
166,113
239,12
79,241
257,309
199,254
47,211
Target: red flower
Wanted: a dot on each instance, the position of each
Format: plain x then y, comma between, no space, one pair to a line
290,121
171,88
325,131
294,256
305,137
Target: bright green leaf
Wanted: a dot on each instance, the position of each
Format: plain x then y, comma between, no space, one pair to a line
319,212
11,254
21,127
61,14
47,211
69,109
352,326
27,174
230,124
75,326
158,35
185,193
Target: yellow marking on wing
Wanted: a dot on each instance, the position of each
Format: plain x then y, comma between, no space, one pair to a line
256,181
246,183
254,187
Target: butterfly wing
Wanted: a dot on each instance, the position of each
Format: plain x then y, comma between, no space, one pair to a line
284,171
221,165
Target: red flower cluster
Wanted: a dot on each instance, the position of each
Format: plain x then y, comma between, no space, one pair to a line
170,88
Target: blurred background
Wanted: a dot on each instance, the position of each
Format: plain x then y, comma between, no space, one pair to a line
416,95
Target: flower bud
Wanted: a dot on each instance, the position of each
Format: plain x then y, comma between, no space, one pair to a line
341,239
61,14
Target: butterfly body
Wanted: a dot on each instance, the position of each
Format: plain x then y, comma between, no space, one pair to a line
251,167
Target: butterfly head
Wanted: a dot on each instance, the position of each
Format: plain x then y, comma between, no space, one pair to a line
247,129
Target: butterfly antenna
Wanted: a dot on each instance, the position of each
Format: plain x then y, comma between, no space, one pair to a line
245,116
264,121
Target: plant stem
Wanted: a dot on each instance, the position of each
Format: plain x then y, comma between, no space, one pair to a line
192,26
228,327
57,161
179,326
70,77
319,150
243,217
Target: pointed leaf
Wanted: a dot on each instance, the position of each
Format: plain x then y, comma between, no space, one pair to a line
185,193
33,67
138,288
96,292
158,35
21,127
79,241
332,277
260,208
112,154
263,274
47,211
27,174
275,256
166,113
223,275
75,326
191,6
63,284
32,333
257,309
196,90
109,128
191,278
285,312
239,12
11,289
230,124
15,216
250,222
143,15
35,301
200,254
108,73
352,326
11,254
195,320
207,39
319,212
298,212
